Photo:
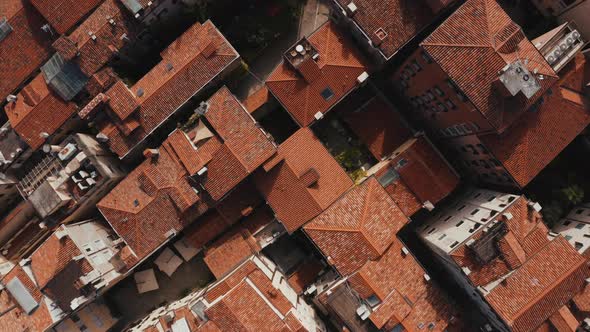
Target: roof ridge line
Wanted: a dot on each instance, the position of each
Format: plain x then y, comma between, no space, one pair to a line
458,45
562,277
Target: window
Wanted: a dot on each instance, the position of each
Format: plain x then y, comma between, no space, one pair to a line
474,212
401,163
411,71
373,301
459,223
450,104
416,66
580,226
388,177
568,237
327,93
438,91
5,28
426,57
430,95
441,107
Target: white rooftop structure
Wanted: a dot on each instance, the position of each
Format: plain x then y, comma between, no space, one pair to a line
472,213
575,227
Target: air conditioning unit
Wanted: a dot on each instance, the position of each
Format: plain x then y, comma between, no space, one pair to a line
351,8
363,312
202,171
362,78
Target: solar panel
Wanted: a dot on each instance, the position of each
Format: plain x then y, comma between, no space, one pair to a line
66,78
21,294
5,28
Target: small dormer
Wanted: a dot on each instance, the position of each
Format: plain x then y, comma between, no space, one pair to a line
5,28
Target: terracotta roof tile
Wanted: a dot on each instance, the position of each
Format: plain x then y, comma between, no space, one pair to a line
240,203
293,202
481,32
379,126
94,53
15,318
339,66
152,200
407,298
257,99
540,287
582,300
229,251
244,310
25,49
537,139
526,234
38,110
182,73
206,229
358,227
401,20
64,14
564,320
54,255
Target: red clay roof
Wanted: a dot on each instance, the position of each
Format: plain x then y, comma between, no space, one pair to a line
25,48
380,127
526,235
64,14
358,227
13,317
38,110
281,183
540,287
481,33
407,298
530,145
339,66
93,53
152,200
182,73
401,20
229,251
158,192
245,308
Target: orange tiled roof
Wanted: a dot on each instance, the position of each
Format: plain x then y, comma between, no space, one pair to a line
293,201
183,72
539,288
424,172
401,20
358,227
406,297
64,14
526,235
243,308
339,66
481,33
530,145
38,110
152,200
25,48
13,317
379,126
229,251
93,53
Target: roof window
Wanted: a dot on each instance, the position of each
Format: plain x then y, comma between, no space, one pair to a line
5,28
327,93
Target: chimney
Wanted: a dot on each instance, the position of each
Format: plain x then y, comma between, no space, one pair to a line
44,135
151,153
47,148
102,138
11,98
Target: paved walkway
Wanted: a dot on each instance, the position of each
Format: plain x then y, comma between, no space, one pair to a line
133,306
314,14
